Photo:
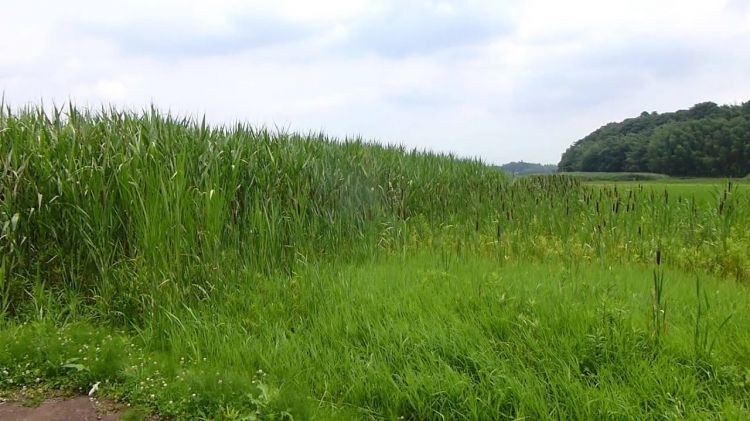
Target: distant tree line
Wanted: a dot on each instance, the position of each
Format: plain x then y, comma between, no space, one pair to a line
706,140
522,168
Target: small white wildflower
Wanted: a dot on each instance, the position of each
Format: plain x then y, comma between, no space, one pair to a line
94,389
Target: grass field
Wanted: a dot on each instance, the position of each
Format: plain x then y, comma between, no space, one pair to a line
233,273
704,190
617,176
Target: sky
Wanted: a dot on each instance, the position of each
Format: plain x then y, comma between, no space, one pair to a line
498,80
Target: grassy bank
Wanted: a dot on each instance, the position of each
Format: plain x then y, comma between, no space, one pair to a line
230,273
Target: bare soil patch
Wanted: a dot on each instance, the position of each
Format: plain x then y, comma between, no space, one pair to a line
61,409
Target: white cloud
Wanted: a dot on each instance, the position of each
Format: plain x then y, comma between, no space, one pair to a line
504,81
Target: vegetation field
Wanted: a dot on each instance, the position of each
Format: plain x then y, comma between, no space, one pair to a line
616,176
202,272
704,190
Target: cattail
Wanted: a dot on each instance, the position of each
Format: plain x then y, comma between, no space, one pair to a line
658,257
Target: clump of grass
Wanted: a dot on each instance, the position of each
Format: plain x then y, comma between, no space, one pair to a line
659,302
704,339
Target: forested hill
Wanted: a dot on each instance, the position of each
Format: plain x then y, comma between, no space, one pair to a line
706,140
525,168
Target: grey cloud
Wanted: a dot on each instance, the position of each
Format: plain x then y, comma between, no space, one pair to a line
411,29
421,99
593,77
652,58
741,6
171,40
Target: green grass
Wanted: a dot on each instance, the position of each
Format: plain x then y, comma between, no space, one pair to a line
236,273
705,191
421,337
616,176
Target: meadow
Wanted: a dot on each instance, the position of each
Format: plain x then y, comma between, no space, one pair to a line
201,272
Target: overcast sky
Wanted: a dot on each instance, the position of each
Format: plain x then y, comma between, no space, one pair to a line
501,80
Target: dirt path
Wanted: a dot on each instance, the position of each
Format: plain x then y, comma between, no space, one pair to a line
75,409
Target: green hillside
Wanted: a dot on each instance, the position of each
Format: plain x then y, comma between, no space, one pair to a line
706,140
